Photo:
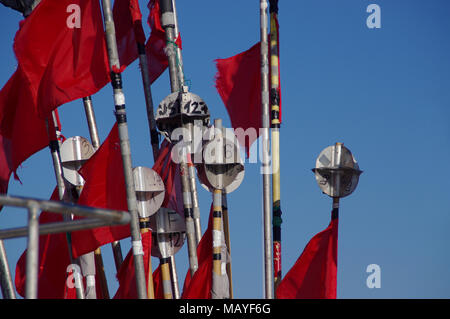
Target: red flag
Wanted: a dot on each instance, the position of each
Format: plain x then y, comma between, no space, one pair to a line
157,283
126,274
238,81
199,286
169,171
53,261
5,164
314,274
61,48
22,132
157,58
128,25
104,188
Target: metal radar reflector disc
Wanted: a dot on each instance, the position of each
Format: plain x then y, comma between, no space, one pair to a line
177,108
337,172
75,151
150,190
168,232
223,167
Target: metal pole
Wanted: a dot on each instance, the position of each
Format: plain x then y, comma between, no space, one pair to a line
92,124
217,241
61,184
154,139
174,277
116,248
119,103
226,231
32,261
178,50
189,126
168,23
275,129
217,291
268,269
6,282
144,223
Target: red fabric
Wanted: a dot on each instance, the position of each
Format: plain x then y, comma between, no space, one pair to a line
238,81
53,261
5,164
126,274
314,274
128,25
62,63
199,286
157,58
170,174
104,188
157,283
22,132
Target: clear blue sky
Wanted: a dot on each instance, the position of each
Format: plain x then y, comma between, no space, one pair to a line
383,92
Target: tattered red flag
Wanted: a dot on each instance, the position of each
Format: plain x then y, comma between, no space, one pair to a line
128,24
314,274
156,44
169,171
126,274
104,188
199,286
22,132
53,261
61,48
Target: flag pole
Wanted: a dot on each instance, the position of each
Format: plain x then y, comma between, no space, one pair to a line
192,174
226,231
86,261
217,212
275,130
57,166
6,283
143,63
117,251
168,23
120,112
268,267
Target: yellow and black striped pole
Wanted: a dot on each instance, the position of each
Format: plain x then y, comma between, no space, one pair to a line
226,233
217,232
275,128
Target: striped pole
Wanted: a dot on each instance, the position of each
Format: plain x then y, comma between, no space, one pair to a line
217,241
190,127
268,266
168,23
121,118
164,261
275,129
144,225
226,232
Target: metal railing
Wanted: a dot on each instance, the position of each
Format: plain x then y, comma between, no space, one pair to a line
94,217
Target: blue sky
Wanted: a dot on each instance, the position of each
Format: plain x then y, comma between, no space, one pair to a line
383,92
